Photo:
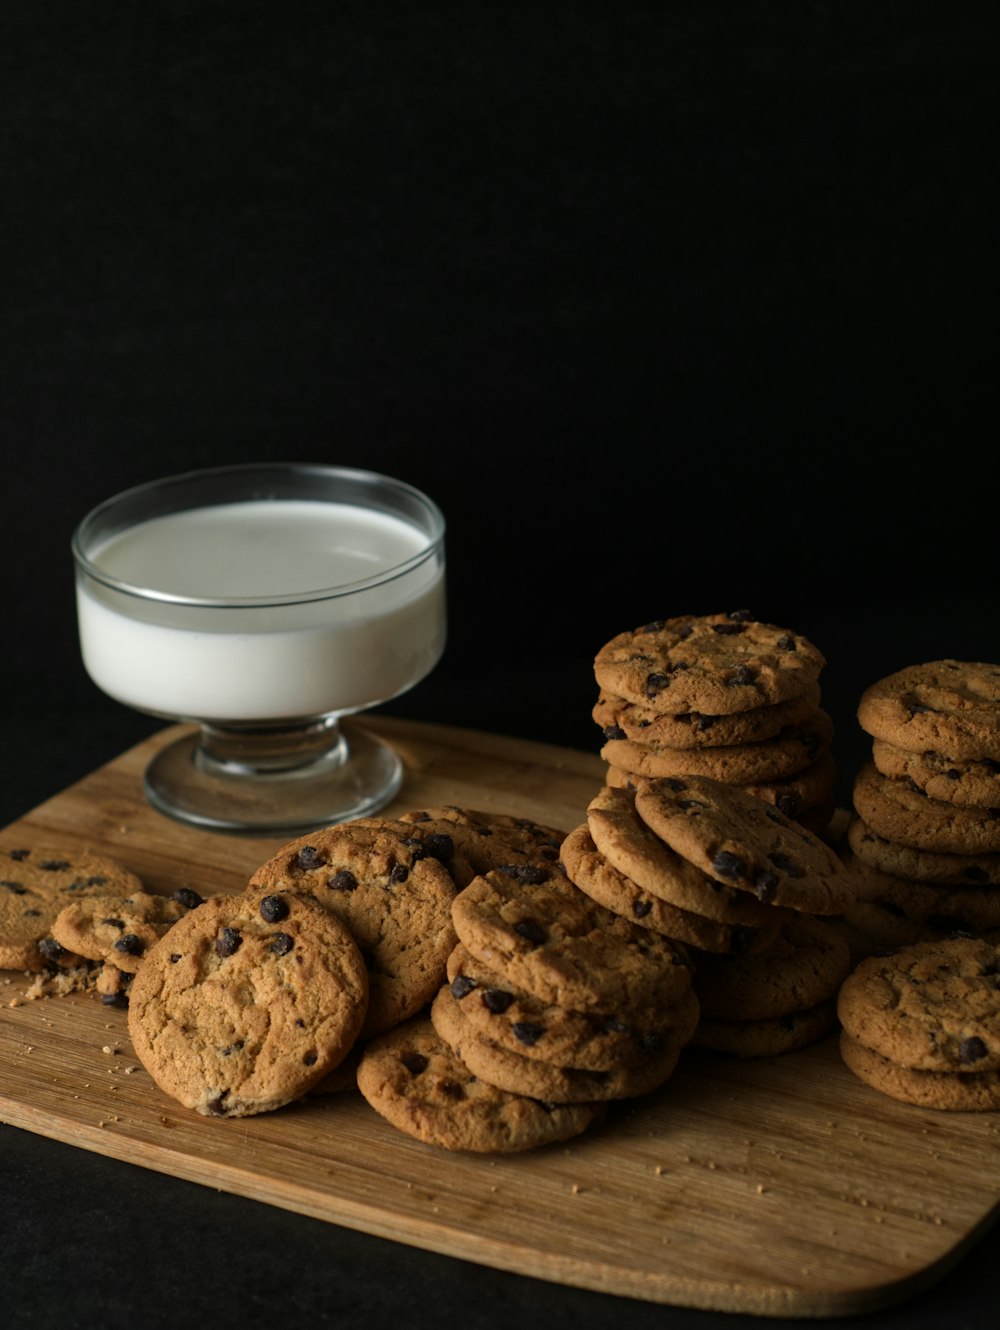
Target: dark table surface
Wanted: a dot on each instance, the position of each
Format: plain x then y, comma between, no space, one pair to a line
673,308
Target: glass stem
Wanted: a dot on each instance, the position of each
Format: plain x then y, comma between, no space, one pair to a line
256,749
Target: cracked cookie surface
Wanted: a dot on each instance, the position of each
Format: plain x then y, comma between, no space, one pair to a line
247,1002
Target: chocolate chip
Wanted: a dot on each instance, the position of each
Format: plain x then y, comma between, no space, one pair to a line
174,957
229,941
414,1063
273,908
496,1000
310,857
652,1042
399,873
641,908
282,944
727,629
461,986
310,1058
217,1106
15,887
114,999
439,846
342,880
187,897
230,1049
765,884
526,1033
95,881
51,949
130,944
728,864
54,865
613,732
787,804
743,674
532,931
18,854
972,1049
786,642
452,1089
655,683
533,874
786,865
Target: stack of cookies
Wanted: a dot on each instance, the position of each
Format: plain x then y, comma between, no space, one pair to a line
752,894
924,835
723,696
922,1024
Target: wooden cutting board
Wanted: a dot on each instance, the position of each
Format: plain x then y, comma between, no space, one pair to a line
780,1186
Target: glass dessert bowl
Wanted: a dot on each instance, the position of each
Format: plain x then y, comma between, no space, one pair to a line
263,603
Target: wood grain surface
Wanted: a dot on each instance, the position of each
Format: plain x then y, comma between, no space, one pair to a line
780,1186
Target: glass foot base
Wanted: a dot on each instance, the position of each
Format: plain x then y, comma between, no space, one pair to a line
354,777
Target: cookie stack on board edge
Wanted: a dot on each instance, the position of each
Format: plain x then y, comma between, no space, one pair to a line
924,835
752,893
724,696
922,1024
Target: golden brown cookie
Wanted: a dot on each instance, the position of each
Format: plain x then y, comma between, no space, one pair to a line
645,724
36,883
551,1032
379,880
934,1006
710,664
769,1037
552,941
117,929
742,841
553,1084
414,1080
898,811
967,1092
787,753
247,1002
631,846
973,782
486,840
949,706
909,861
589,870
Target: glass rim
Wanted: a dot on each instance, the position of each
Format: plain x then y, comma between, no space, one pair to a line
375,480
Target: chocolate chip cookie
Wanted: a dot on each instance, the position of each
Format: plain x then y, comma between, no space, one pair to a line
247,1002
411,1077
381,881
899,811
743,842
119,929
645,724
948,706
36,883
710,664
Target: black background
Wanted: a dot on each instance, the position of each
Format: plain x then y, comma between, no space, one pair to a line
673,308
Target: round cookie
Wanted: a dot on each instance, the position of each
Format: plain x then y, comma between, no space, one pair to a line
714,664
118,929
804,966
594,1041
767,1038
247,1002
942,908
740,840
908,861
973,782
589,870
39,881
489,840
411,1077
933,1006
559,1085
632,847
898,811
619,719
392,895
949,706
967,1092
552,941
786,754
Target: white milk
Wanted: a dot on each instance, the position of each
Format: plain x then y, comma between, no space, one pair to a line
243,663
